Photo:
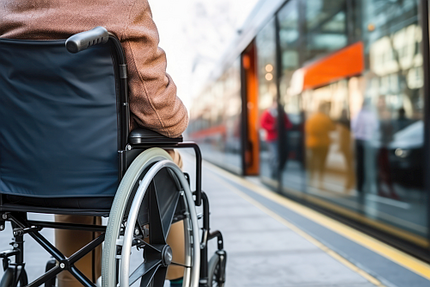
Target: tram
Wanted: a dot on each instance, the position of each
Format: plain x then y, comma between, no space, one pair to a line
325,101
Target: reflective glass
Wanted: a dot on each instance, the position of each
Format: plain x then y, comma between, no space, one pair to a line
389,153
325,26
215,122
267,108
352,85
292,147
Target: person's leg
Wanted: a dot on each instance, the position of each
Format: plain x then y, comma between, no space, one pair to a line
323,151
273,158
176,240
70,241
312,161
176,237
359,159
176,156
319,162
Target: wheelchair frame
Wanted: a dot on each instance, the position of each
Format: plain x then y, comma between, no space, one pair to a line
130,145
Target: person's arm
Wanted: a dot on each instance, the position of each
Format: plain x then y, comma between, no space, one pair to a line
153,100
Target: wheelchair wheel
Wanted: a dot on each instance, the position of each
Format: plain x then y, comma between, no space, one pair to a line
214,272
152,195
8,279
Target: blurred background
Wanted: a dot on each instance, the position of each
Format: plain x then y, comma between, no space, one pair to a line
194,34
323,101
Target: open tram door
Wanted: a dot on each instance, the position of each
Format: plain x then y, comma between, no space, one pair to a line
249,82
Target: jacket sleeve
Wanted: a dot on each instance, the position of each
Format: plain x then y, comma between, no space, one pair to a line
153,100
267,121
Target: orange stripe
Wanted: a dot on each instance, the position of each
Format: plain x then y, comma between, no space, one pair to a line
221,129
346,62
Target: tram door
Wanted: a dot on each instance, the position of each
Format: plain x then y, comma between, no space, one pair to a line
251,159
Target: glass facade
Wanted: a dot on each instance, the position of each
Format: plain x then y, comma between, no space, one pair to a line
325,26
267,104
290,40
351,89
339,89
215,120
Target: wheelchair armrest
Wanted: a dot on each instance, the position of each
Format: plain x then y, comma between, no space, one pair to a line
145,136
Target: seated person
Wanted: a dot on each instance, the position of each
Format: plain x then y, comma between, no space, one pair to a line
153,100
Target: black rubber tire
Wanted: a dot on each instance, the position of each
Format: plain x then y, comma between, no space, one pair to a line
213,269
23,281
6,280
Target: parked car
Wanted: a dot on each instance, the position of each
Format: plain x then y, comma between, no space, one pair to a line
406,155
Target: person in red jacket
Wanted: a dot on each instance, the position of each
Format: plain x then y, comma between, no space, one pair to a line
269,122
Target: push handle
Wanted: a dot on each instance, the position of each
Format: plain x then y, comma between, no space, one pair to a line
83,40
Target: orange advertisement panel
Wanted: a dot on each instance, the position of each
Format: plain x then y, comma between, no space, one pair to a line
346,62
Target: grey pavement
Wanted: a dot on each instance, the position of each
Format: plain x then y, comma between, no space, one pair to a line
261,250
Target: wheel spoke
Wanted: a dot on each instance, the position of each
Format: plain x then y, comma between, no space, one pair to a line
153,247
163,200
156,235
160,276
179,264
167,190
146,271
148,278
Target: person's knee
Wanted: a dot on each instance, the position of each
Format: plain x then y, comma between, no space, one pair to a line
176,157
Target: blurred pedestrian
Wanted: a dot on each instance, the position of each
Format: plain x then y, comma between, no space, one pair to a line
344,131
386,129
401,121
317,131
364,127
269,122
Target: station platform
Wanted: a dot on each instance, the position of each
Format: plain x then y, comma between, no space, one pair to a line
273,241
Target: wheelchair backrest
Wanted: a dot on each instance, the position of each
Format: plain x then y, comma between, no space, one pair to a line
58,120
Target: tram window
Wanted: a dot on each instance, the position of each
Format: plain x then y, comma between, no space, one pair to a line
375,153
379,172
288,18
268,131
325,26
266,49
292,136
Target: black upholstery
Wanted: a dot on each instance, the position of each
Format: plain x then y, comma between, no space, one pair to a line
58,121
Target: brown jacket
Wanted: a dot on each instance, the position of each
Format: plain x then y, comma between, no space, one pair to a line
153,100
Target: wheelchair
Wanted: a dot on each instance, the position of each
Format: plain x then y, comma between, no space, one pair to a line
66,148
